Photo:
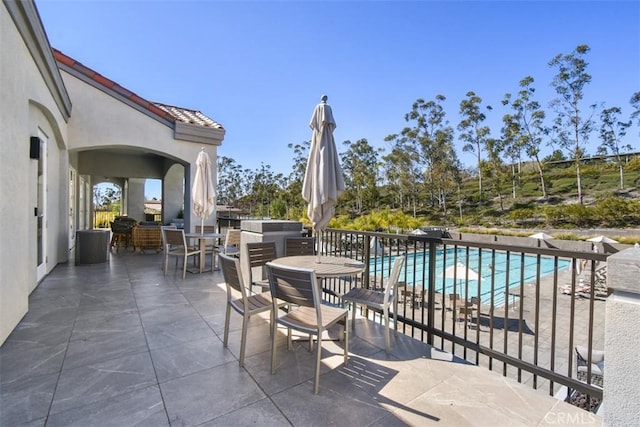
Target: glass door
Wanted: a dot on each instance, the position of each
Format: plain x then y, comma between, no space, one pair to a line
41,209
72,210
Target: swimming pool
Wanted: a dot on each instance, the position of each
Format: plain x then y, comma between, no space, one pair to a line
522,269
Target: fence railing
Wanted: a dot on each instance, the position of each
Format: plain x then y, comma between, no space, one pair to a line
520,310
102,219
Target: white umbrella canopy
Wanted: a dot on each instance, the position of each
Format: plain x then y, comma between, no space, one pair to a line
323,180
461,272
417,232
541,236
602,239
203,193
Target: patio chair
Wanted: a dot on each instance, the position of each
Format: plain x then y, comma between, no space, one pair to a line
246,306
176,246
258,255
231,245
378,300
465,314
164,240
299,246
121,233
299,288
597,365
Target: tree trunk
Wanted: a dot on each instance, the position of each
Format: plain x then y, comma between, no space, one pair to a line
513,181
479,176
621,176
541,173
579,182
459,203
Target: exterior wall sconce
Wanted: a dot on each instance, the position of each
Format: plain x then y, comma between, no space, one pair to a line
34,148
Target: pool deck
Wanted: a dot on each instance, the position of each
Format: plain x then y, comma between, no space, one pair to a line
508,331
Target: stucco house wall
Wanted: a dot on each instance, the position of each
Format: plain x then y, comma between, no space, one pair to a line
28,103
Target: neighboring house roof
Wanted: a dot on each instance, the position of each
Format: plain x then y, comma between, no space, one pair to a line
153,206
163,112
229,209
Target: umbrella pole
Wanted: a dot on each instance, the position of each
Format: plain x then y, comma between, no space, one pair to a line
319,238
201,225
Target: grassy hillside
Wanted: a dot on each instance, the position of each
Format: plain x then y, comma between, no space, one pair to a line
605,204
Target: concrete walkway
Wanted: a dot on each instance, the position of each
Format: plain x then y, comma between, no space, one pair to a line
120,344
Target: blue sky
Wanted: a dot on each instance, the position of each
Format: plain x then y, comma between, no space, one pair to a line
260,67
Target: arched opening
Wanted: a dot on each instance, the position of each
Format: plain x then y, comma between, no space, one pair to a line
107,203
153,200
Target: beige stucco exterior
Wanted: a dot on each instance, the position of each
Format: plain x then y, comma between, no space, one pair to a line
89,135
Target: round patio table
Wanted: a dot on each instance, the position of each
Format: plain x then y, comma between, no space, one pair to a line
329,266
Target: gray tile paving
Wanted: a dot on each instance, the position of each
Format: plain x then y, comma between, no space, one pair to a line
119,344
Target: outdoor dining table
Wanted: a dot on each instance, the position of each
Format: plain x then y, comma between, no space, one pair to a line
202,237
328,267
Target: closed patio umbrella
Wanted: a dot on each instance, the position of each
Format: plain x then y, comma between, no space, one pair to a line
203,193
323,180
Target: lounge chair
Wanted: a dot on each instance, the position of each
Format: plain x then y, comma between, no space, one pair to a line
597,365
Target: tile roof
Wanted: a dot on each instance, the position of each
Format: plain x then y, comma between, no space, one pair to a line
167,112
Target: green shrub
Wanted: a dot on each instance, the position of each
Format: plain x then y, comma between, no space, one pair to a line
616,211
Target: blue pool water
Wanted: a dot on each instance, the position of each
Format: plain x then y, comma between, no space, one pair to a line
522,269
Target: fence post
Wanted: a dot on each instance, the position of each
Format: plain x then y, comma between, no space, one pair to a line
621,394
432,291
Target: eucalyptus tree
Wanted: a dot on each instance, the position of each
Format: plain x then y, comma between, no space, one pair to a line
473,133
635,105
428,142
571,126
513,141
402,175
612,130
529,118
446,168
494,168
232,183
107,197
264,189
360,164
293,196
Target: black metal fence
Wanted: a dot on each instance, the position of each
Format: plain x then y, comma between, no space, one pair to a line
521,310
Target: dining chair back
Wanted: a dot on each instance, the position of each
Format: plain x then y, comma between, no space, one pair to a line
379,300
205,229
176,246
299,288
245,305
164,244
231,242
299,246
258,255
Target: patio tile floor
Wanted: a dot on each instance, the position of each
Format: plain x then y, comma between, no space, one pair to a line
121,344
